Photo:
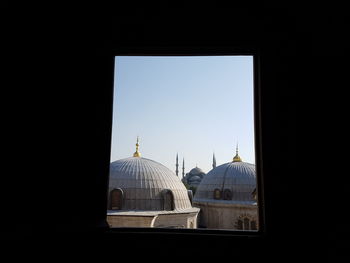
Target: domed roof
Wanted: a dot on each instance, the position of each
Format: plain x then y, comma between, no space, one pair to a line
238,177
143,181
195,178
196,170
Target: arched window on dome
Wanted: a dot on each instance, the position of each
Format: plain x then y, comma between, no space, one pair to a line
227,194
168,200
116,199
217,194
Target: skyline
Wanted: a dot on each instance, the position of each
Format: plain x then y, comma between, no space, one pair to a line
190,106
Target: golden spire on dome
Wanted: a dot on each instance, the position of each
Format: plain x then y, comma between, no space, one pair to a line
137,153
237,158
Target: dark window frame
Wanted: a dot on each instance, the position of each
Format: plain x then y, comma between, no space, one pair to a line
109,57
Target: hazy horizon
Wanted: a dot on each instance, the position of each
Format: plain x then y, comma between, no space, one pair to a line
190,105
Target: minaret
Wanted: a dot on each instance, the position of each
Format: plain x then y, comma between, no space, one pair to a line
177,165
183,168
214,161
137,153
237,158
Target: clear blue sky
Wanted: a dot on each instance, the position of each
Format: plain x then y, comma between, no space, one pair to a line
190,105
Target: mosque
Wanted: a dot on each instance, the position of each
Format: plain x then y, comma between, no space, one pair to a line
145,193
226,197
193,178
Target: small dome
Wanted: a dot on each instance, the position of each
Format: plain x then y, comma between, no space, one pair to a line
237,177
195,178
143,181
196,170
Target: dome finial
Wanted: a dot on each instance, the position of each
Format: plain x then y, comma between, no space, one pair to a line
137,153
237,158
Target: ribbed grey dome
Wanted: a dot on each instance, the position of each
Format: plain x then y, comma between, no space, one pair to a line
143,180
238,177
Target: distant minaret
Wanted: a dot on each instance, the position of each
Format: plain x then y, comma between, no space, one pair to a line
214,161
183,168
177,165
